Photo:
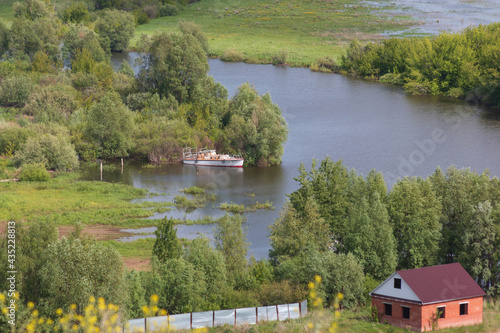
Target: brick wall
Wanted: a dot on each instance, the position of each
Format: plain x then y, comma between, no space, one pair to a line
421,317
452,314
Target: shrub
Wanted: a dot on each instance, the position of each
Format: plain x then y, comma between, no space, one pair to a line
118,26
12,138
325,64
231,54
140,17
280,58
34,172
15,90
52,103
168,10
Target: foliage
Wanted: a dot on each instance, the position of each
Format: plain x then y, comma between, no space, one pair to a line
415,211
280,58
256,129
168,10
52,103
110,126
456,65
174,65
118,27
79,37
34,172
15,90
166,245
12,138
54,152
75,269
232,54
76,13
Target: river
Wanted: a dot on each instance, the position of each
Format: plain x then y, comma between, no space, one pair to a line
364,123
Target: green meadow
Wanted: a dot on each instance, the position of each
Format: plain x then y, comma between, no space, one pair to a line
6,11
305,29
64,200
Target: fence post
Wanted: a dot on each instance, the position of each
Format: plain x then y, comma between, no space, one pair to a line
191,320
213,318
145,327
277,313
234,317
256,315
300,309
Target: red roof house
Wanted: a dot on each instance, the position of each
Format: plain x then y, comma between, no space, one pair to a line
427,298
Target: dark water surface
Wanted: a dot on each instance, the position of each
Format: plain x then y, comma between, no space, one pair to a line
366,124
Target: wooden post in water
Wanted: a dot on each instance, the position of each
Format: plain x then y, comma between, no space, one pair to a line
101,171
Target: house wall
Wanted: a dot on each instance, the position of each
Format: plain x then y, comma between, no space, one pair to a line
414,323
421,317
452,314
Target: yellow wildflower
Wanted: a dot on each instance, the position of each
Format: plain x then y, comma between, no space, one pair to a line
30,328
317,278
154,298
72,306
50,321
4,311
340,296
16,295
91,299
35,313
59,312
31,305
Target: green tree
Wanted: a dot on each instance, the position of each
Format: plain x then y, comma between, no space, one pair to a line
79,37
32,9
415,213
118,26
255,128
109,124
4,38
74,269
166,244
369,236
294,231
327,184
54,103
28,37
194,30
481,252
230,240
76,13
55,152
174,64
211,262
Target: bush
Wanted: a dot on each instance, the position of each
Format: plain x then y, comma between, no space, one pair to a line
118,26
231,54
280,58
140,17
15,90
34,172
168,10
325,64
12,138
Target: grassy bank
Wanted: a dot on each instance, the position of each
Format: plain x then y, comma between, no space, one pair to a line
6,11
64,200
306,30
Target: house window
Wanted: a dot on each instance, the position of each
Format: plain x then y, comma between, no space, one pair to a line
441,312
464,309
388,309
406,312
397,283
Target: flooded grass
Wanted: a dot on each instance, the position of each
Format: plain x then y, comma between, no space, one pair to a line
65,200
240,209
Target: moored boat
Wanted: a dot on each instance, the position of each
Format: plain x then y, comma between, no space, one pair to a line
209,157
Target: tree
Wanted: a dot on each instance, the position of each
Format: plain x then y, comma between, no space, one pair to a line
76,13
370,238
118,26
32,9
74,269
294,231
166,244
415,213
255,128
194,30
230,240
174,64
80,37
28,37
211,262
54,103
109,124
481,252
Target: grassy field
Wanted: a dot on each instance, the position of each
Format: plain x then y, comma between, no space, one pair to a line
65,201
6,11
306,29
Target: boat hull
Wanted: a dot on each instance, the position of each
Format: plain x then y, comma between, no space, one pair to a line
233,163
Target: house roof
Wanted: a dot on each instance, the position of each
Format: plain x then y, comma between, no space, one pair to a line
436,283
441,283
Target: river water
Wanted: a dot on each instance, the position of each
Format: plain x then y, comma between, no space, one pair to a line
364,123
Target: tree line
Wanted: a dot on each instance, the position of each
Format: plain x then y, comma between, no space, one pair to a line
57,115
460,65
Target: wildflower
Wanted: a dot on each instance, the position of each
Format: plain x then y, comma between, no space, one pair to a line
4,311
145,309
31,305
310,325
2,298
317,278
340,296
154,298
41,321
59,312
16,295
75,327
163,312
30,328
35,313
72,306
311,285
91,299
50,321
